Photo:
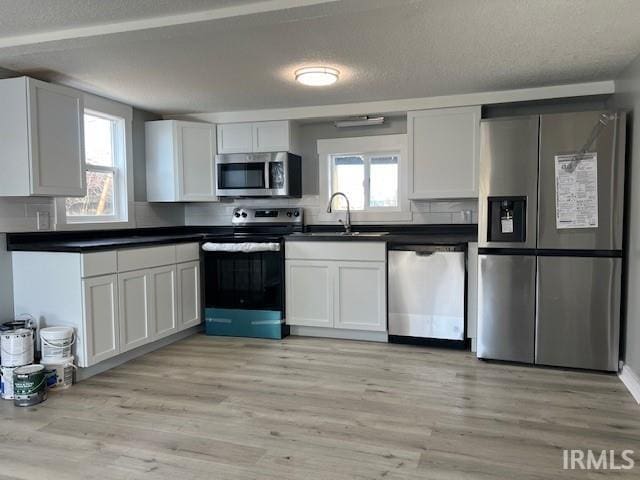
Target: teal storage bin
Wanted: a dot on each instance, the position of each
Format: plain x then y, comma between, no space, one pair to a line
245,323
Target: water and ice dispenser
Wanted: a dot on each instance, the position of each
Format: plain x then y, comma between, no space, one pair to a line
507,219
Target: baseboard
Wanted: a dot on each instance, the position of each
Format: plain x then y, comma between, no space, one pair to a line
631,381
339,333
84,373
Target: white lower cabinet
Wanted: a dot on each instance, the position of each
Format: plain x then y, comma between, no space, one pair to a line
164,301
335,292
361,296
309,292
188,295
115,300
100,298
134,294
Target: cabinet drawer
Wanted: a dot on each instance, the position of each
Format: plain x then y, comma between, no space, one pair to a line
340,250
186,252
98,263
137,258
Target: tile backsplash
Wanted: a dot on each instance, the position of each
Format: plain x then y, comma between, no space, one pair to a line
422,212
20,214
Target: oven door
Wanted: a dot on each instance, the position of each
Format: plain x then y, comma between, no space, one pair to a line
252,175
244,294
248,281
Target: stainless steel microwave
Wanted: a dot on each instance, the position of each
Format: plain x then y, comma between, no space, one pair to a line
275,174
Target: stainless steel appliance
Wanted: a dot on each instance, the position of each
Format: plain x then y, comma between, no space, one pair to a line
275,174
550,239
244,273
426,293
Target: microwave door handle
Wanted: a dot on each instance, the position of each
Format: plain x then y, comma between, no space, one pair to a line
267,179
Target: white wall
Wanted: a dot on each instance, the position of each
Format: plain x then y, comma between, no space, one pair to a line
422,212
628,97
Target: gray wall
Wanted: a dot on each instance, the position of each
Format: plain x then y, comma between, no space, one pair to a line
628,97
139,163
312,132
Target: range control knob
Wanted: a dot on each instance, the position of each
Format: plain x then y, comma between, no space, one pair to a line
289,213
296,213
244,214
237,214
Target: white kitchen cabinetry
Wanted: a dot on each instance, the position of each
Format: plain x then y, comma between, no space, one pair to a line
100,298
42,139
189,310
115,300
361,293
309,293
257,137
444,152
164,301
180,159
336,285
235,138
134,295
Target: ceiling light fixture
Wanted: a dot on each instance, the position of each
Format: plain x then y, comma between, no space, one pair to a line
317,76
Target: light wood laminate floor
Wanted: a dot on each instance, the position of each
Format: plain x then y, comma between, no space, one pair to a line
305,408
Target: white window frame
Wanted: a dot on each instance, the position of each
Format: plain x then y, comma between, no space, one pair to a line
367,147
122,169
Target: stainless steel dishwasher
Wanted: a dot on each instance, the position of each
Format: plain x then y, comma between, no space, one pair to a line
427,294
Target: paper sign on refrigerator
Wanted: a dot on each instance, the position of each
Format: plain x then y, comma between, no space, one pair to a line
577,190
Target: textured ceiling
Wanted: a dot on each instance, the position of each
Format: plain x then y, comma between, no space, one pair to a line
386,49
20,17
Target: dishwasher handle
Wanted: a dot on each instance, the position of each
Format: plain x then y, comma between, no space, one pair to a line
426,250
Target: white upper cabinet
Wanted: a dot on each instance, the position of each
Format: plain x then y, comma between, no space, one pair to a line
235,138
256,137
271,137
180,161
444,152
42,139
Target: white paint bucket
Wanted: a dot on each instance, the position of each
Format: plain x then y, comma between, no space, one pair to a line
56,343
6,382
16,347
63,372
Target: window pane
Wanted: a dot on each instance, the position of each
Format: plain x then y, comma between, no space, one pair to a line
99,200
98,140
348,178
384,182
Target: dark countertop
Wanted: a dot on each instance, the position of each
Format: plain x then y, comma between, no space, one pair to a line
390,238
98,244
100,240
454,234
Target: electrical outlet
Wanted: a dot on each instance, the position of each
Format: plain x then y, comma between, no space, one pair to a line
43,221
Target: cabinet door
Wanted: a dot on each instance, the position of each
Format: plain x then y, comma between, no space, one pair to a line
361,296
56,122
444,152
235,138
100,318
164,293
196,155
134,298
189,310
271,136
309,293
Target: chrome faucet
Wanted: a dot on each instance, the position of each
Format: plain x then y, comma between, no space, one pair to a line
347,223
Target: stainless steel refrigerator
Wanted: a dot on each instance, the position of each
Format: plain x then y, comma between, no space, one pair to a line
550,239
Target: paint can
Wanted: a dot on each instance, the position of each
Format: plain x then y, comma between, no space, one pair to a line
61,373
29,385
56,343
6,382
16,347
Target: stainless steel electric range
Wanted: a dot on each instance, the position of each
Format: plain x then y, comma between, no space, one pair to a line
244,273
